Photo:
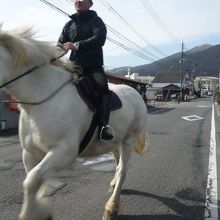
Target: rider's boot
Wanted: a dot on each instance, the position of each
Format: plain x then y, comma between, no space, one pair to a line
106,132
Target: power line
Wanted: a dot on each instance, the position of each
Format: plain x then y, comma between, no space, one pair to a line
129,48
154,15
157,19
54,7
134,45
164,18
70,1
110,8
137,53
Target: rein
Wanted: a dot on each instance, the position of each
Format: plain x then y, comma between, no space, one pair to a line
44,100
22,75
31,71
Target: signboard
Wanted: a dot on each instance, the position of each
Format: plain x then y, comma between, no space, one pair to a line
188,81
12,106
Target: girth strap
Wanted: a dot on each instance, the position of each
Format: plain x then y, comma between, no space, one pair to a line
89,132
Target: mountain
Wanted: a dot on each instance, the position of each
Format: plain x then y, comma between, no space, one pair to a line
120,70
199,48
204,60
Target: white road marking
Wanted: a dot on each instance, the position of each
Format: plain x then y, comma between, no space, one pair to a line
192,118
211,205
96,160
203,106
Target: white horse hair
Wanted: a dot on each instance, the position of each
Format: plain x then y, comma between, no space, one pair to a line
50,133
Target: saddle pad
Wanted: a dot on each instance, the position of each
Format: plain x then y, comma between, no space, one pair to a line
85,92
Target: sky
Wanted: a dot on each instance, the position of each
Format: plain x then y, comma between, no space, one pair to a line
193,22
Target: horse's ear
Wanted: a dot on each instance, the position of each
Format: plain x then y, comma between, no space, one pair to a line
26,31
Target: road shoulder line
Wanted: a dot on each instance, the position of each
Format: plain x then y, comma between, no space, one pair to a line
211,205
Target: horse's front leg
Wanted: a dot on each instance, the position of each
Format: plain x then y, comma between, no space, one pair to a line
112,206
34,207
30,161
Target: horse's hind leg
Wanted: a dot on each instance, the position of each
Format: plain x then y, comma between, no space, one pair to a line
117,157
34,207
112,206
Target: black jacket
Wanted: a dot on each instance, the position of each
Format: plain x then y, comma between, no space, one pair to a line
89,32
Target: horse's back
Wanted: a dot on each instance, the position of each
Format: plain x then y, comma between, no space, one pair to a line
129,97
134,112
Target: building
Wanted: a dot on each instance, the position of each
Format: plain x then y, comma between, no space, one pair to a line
164,79
141,87
9,114
136,76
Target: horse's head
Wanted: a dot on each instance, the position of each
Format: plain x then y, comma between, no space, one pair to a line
14,47
15,50
24,48
19,51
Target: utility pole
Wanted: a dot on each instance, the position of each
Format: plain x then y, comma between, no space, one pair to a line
219,81
181,72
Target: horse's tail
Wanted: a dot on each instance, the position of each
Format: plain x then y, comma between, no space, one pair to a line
142,143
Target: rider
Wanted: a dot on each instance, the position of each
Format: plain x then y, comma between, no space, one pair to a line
84,35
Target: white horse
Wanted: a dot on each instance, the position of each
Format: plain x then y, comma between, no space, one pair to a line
52,129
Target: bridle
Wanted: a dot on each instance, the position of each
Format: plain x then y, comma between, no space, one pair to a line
22,75
31,71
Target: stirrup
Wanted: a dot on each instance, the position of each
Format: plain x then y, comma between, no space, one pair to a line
111,134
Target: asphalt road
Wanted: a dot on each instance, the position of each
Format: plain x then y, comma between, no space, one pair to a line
169,182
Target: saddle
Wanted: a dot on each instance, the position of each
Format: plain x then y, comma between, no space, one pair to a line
88,94
85,89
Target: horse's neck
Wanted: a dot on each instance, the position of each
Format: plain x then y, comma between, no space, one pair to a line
39,84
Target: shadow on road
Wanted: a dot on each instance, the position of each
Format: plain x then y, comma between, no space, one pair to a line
159,110
183,211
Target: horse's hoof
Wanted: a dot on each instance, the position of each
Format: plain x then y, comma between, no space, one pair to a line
109,216
50,218
111,189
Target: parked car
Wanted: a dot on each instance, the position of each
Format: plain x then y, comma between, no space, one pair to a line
193,97
159,97
209,93
203,93
174,97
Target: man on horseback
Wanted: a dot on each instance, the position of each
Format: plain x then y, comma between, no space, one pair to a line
84,35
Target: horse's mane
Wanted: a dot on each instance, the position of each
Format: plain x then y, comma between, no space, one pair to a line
26,50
